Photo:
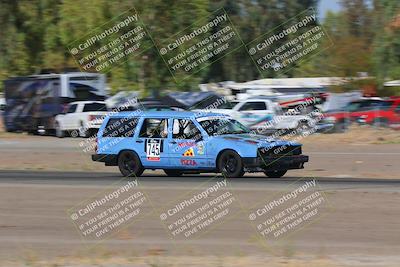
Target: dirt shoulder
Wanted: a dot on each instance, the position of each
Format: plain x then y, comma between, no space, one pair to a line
203,261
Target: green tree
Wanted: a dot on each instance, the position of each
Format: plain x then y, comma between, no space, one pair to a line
386,46
350,36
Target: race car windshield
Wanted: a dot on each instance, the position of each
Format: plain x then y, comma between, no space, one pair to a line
221,126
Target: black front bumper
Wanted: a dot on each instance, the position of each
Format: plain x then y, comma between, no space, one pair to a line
108,159
276,162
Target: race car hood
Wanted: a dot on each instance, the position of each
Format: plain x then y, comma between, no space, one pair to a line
224,111
259,140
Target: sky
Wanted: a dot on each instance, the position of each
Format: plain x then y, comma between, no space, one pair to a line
325,5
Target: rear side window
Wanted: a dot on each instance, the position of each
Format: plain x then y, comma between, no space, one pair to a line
377,105
253,106
72,108
354,106
371,105
120,127
154,128
386,105
94,107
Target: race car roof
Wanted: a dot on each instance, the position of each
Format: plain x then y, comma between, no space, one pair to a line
167,113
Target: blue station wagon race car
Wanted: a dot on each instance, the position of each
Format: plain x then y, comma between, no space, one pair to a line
188,142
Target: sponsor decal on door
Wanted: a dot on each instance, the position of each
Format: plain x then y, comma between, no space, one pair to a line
189,153
188,162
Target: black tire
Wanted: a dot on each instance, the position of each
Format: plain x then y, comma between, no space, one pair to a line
83,132
32,132
275,174
34,127
380,123
230,164
303,127
173,173
59,133
9,130
129,164
340,127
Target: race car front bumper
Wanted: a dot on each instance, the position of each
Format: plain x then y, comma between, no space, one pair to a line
276,162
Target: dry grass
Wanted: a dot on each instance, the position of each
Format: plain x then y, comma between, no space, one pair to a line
182,261
358,135
201,261
101,257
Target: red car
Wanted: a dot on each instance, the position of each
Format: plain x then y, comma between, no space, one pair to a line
380,113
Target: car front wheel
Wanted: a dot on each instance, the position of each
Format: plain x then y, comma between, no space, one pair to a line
83,131
275,174
303,127
129,164
230,164
380,123
340,127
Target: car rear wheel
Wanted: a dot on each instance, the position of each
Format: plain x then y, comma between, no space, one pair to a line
380,123
59,132
173,173
275,174
129,164
230,164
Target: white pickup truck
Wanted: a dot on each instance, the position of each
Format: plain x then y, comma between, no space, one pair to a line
265,115
2,103
81,118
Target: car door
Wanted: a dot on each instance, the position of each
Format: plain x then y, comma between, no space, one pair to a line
76,117
152,142
68,117
187,148
368,110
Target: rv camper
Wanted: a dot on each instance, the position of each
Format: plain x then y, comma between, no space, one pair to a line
32,102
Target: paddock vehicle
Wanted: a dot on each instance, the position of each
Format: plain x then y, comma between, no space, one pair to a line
264,115
188,142
387,114
2,103
376,112
32,102
85,117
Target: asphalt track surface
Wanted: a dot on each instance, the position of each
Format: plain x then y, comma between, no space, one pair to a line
361,220
53,177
